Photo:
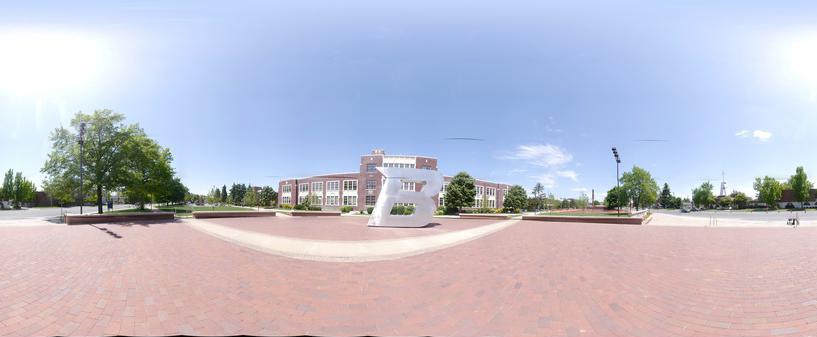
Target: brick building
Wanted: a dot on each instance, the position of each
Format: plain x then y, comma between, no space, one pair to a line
360,189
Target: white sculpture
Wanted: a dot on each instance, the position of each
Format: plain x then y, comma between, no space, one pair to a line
392,192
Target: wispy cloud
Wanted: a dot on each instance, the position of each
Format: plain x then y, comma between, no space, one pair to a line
547,180
580,189
546,155
568,174
549,156
760,135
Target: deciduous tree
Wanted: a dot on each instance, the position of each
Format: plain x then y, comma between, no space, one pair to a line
640,187
769,191
460,192
516,199
800,185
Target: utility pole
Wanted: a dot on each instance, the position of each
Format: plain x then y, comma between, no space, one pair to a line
81,156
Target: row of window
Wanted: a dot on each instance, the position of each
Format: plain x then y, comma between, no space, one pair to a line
489,191
348,185
331,200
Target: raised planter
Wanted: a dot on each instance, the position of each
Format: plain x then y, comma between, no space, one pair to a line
311,213
231,214
484,216
77,219
589,219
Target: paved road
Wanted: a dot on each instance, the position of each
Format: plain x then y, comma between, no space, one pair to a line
775,216
530,279
48,212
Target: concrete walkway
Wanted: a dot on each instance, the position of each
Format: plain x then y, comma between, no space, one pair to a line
345,251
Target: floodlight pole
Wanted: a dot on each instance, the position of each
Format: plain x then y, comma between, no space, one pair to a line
618,181
81,156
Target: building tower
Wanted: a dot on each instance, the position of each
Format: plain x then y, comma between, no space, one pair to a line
723,184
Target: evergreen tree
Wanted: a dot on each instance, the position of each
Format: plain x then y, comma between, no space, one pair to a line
224,193
666,197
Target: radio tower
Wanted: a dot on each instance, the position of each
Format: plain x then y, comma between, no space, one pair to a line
723,184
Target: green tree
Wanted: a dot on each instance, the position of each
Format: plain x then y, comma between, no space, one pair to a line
516,199
740,200
725,201
460,193
215,195
150,175
800,185
22,190
224,194
7,190
640,187
237,192
666,197
702,196
538,192
769,191
616,197
105,163
267,196
250,197
582,201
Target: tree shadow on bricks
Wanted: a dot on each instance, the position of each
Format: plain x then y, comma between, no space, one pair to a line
108,231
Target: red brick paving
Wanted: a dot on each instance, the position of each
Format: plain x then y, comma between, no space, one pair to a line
345,228
530,279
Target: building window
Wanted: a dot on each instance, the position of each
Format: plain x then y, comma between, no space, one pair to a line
350,200
442,201
491,203
489,191
286,189
318,200
331,200
408,186
332,185
445,187
350,185
371,200
371,184
303,188
371,168
426,167
287,200
317,187
480,191
301,199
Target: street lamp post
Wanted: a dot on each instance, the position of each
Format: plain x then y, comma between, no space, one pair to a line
81,156
618,182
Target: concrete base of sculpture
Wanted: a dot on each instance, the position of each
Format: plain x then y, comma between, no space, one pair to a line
392,193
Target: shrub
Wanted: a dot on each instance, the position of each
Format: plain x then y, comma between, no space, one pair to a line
300,207
369,209
345,209
286,206
409,210
314,208
398,210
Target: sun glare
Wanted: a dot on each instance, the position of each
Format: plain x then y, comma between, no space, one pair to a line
48,63
799,57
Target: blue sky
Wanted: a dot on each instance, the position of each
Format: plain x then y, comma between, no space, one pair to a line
245,91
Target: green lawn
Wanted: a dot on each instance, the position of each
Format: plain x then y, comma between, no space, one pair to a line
185,210
582,214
